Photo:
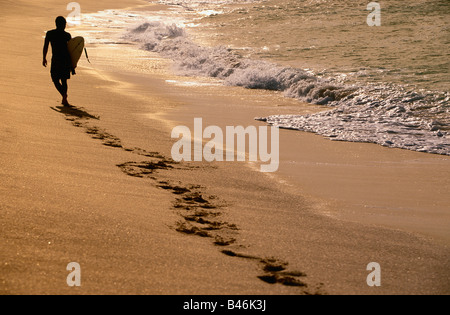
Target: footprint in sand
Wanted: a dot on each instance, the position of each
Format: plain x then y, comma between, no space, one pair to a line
199,212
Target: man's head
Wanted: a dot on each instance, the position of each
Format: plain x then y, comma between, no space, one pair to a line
60,23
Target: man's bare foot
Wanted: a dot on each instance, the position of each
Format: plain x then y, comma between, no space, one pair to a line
65,102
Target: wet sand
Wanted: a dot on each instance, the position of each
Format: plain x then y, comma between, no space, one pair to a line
95,184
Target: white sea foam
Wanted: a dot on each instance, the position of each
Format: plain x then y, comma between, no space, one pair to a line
201,3
385,114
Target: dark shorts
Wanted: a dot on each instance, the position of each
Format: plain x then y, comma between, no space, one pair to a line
60,75
60,71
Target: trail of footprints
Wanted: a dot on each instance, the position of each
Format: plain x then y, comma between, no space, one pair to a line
200,213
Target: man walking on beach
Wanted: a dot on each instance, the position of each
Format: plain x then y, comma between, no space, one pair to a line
61,63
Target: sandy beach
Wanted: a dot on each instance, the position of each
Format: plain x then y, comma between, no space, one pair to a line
95,184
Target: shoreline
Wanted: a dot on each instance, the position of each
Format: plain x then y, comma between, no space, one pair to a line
378,168
158,86
267,226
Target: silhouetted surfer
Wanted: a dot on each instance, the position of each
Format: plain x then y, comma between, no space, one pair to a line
61,63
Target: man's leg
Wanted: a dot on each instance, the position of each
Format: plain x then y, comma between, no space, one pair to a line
64,91
57,84
61,86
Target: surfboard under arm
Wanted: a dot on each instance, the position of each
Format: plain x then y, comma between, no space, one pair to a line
75,47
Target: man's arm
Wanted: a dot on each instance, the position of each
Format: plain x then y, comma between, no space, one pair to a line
44,60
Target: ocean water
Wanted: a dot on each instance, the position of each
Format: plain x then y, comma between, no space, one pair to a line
386,84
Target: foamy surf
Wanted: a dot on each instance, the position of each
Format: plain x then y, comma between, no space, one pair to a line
388,115
384,113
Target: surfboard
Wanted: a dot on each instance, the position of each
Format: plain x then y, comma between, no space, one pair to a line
75,46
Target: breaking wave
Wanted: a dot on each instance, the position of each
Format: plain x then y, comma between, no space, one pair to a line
386,114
